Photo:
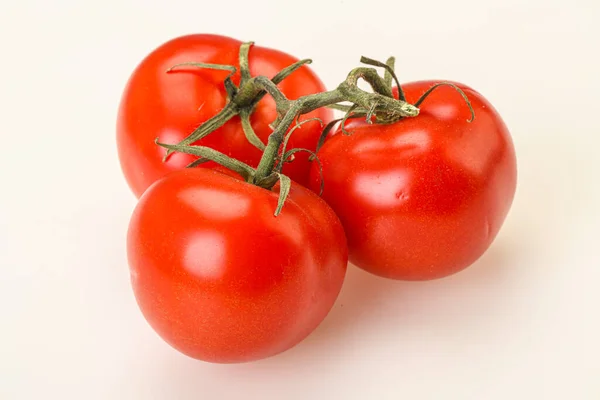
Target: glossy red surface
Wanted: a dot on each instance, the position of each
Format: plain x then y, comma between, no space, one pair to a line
220,278
169,106
425,197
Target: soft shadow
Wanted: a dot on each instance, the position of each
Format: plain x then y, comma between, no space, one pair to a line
363,293
370,304
360,298
494,266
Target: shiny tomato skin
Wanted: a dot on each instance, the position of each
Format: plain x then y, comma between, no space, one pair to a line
220,278
169,106
425,197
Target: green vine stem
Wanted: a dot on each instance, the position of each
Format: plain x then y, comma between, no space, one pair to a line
379,104
387,77
390,74
452,85
246,171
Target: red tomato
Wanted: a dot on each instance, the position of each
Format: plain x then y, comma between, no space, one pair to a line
425,197
171,105
223,280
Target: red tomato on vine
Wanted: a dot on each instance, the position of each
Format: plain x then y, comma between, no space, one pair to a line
169,106
222,279
424,197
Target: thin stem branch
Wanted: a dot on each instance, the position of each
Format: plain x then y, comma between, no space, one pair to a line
266,84
214,123
370,76
267,161
453,86
244,63
249,132
389,75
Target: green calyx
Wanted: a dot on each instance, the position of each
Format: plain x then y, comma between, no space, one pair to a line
242,99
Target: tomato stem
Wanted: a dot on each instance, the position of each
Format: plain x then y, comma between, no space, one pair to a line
387,77
246,171
251,136
459,90
379,104
229,111
288,111
244,63
390,74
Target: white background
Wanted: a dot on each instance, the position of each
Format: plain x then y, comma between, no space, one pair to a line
522,323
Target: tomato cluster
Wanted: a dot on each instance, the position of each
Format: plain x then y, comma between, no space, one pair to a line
220,275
